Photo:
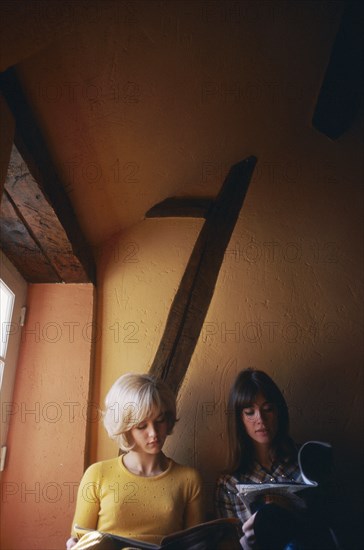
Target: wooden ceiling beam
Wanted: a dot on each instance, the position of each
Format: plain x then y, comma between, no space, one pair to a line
41,223
341,94
34,150
21,248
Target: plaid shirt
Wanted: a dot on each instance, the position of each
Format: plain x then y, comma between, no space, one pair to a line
227,502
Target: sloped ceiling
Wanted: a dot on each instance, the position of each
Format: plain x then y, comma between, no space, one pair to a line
140,101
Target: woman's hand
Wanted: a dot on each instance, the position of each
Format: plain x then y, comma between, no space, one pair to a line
247,541
71,543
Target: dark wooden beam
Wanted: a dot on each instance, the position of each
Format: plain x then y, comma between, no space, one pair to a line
42,224
7,128
34,150
341,93
196,289
180,207
21,248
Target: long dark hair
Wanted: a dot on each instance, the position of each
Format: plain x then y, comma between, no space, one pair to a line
248,384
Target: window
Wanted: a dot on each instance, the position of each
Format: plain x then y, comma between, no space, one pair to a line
13,293
7,297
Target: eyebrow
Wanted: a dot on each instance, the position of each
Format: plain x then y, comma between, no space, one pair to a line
250,406
152,415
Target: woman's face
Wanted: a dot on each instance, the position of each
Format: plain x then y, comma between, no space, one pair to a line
149,435
260,420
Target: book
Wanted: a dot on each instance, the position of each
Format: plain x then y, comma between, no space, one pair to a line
314,461
211,535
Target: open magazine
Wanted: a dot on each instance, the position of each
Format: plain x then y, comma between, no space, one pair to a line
314,460
205,536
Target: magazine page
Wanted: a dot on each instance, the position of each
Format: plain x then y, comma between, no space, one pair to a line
122,542
314,459
253,495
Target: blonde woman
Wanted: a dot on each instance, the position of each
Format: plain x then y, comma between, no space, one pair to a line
141,494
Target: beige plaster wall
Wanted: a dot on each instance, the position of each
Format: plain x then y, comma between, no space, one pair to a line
139,274
288,300
48,418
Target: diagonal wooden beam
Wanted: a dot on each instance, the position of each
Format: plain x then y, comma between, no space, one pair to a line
33,148
194,294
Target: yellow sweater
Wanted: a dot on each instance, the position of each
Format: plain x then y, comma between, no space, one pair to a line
113,500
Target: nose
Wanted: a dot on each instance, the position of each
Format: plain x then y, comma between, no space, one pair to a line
152,430
259,416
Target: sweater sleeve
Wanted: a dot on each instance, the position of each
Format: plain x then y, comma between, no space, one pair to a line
88,500
194,509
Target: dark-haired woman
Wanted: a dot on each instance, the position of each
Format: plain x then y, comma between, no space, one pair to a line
260,451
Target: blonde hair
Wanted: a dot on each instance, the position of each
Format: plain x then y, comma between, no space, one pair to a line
132,399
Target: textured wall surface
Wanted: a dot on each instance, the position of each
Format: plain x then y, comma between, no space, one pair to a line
288,300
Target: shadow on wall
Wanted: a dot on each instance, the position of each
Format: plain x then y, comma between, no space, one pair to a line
332,412
315,401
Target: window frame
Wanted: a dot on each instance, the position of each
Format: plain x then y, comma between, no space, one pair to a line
15,282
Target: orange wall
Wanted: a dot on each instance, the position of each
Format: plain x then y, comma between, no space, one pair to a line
47,433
